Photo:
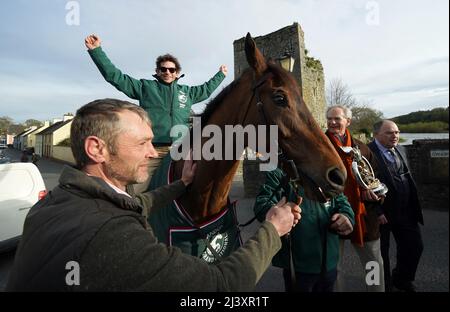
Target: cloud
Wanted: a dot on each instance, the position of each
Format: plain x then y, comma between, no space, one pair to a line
419,86
393,104
398,61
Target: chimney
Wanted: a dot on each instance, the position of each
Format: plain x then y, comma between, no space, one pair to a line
67,117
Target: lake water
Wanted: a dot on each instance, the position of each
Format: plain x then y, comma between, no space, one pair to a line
409,137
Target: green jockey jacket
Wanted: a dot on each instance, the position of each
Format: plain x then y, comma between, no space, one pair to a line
311,234
166,104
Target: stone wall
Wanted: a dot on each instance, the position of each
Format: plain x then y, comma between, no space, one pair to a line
428,160
307,71
314,94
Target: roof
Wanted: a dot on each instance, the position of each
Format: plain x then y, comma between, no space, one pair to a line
17,135
54,127
33,131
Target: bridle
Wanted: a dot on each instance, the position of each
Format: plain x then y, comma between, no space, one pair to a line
282,158
295,175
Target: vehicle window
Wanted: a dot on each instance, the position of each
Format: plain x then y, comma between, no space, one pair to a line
15,183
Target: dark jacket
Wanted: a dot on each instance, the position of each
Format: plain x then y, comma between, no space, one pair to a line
310,233
167,104
85,220
393,213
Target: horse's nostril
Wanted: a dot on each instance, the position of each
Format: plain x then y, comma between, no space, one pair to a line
336,177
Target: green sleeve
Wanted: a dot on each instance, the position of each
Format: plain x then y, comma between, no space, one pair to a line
204,91
341,205
125,257
160,197
124,83
269,194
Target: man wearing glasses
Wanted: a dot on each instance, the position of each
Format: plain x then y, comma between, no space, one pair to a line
167,103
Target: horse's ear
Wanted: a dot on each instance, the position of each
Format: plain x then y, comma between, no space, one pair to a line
254,57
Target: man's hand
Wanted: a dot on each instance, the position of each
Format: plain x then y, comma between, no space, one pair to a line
382,219
369,195
92,42
341,224
284,216
189,167
223,69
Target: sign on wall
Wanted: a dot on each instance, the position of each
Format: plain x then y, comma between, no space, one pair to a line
439,153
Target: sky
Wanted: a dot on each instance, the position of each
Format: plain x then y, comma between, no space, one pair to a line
391,54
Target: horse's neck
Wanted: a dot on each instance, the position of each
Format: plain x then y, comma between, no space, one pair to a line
208,194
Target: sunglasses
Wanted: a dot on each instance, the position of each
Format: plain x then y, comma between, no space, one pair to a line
170,69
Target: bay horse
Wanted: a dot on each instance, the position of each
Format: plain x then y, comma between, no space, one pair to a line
265,94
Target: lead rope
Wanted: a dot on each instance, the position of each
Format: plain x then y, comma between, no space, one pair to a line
288,238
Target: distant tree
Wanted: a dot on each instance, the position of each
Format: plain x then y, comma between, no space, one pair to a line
5,123
424,127
364,117
32,122
436,114
16,128
338,93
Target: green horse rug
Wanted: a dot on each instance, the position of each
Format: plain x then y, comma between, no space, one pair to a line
172,225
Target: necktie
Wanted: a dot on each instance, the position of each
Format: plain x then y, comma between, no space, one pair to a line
395,158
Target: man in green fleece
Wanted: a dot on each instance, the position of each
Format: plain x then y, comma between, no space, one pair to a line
88,234
167,102
315,243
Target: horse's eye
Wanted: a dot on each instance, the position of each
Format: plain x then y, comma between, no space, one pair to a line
280,99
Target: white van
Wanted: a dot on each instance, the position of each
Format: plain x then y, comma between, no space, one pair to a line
21,186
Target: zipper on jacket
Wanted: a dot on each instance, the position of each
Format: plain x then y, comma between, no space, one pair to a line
172,93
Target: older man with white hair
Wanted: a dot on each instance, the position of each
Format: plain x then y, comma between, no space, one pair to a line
365,237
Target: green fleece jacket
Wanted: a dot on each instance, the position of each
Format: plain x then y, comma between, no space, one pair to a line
310,234
84,221
167,104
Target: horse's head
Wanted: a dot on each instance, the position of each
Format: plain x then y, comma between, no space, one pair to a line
321,171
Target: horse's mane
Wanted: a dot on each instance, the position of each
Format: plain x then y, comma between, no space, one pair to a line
215,102
212,105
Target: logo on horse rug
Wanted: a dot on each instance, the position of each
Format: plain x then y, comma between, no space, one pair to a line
172,225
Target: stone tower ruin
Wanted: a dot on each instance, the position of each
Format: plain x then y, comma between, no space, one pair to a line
307,71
